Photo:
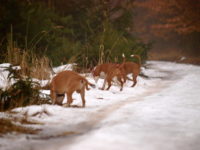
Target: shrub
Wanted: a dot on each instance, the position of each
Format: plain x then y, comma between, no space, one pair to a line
23,92
108,46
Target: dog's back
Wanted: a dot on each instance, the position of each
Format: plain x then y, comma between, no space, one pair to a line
115,72
132,67
102,70
67,82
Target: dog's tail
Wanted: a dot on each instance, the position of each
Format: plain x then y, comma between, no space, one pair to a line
138,57
124,58
88,83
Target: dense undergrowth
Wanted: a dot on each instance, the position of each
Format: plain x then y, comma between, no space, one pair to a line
22,92
85,32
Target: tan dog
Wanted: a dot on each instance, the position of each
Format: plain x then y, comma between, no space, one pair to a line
67,82
131,67
115,71
101,70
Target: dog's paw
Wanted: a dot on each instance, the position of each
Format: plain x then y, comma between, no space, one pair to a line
101,89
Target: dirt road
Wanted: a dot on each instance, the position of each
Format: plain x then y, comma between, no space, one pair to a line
165,115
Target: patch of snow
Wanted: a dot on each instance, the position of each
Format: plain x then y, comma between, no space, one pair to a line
63,67
160,112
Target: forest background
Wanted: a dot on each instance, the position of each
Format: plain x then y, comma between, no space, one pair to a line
89,32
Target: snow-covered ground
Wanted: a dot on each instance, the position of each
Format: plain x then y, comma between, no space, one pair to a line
160,112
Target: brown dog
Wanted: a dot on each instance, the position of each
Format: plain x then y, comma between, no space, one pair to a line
115,71
101,70
131,67
67,82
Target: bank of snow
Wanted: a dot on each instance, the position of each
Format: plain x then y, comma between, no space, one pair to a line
161,112
167,119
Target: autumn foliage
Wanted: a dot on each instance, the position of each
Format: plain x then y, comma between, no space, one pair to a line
181,16
172,25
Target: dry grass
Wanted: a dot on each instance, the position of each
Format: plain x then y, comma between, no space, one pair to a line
14,55
64,134
40,68
7,126
174,56
191,60
35,67
168,56
31,64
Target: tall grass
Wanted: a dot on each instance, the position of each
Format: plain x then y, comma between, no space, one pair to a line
32,65
108,46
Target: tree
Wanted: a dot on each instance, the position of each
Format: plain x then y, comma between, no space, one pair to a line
68,29
180,16
172,24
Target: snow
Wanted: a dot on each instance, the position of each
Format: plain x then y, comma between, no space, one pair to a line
63,67
160,112
4,81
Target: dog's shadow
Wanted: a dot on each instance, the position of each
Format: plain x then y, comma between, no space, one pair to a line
72,106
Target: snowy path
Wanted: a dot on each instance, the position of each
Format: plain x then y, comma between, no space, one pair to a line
162,112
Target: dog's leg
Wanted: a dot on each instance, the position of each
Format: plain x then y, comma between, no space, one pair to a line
104,83
59,98
134,80
124,78
122,83
83,96
53,97
69,99
109,84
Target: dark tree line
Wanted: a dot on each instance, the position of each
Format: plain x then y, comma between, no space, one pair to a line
173,24
83,31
